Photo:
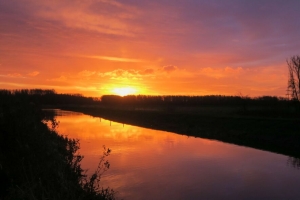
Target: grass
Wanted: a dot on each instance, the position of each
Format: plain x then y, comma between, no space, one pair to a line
38,163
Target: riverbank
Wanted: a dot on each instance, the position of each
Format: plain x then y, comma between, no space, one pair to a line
38,163
275,134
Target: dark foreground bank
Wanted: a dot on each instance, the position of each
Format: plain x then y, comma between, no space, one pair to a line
37,163
279,135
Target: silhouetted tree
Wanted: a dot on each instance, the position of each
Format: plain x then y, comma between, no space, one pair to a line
294,77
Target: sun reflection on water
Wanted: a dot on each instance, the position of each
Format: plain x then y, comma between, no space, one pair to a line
151,164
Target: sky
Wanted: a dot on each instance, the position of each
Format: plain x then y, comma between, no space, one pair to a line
165,47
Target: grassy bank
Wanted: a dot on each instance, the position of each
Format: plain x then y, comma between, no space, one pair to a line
38,163
261,130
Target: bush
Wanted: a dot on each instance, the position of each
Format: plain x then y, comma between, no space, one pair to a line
38,163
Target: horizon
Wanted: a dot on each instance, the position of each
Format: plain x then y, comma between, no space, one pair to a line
197,48
165,95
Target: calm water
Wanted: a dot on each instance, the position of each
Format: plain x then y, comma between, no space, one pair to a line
150,164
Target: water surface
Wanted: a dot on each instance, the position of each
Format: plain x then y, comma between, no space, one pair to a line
151,164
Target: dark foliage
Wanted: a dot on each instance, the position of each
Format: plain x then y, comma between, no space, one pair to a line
209,100
46,97
243,105
38,163
50,97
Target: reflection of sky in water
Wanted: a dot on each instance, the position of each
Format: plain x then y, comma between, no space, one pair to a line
150,164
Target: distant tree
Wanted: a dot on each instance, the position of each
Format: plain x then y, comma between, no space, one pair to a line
244,100
294,77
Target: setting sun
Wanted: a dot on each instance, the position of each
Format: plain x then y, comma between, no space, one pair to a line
123,91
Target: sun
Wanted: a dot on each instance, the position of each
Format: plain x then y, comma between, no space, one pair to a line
123,91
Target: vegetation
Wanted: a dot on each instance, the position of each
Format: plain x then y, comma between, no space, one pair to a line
294,77
38,163
266,105
47,97
44,161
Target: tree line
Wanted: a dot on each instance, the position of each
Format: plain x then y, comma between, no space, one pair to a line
181,100
45,97
51,97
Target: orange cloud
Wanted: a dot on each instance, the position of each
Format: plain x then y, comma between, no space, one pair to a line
79,15
220,72
61,78
35,73
115,59
86,73
15,75
149,73
146,71
120,74
169,68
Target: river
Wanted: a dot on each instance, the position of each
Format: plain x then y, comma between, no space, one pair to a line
151,164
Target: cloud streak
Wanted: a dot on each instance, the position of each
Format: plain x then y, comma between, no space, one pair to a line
114,59
34,73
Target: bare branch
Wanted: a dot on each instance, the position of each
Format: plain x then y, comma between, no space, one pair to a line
294,77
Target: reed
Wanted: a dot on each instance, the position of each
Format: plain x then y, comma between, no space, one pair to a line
38,163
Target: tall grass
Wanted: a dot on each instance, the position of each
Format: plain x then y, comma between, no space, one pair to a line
38,163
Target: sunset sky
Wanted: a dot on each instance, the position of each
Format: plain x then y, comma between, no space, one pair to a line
184,47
